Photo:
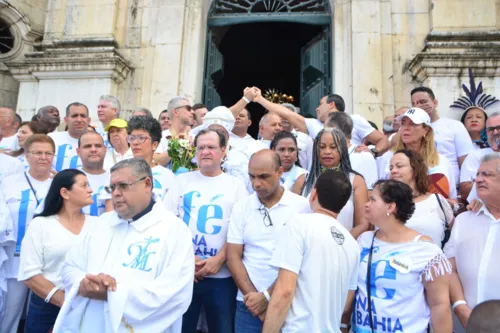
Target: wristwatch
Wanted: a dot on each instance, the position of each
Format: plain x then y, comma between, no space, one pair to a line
374,152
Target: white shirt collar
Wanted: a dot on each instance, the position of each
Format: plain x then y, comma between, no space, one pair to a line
157,214
286,200
487,213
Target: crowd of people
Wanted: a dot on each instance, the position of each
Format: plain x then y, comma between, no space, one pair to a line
318,225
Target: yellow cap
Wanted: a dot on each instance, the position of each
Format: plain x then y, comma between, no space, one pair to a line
119,123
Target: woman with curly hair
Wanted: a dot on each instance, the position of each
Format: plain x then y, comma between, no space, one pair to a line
403,277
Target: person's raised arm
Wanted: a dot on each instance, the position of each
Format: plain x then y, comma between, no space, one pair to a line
295,119
248,96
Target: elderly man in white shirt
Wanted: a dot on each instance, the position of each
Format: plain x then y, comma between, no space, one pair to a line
475,243
255,223
134,271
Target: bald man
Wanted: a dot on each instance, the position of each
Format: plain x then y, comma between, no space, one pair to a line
485,318
8,138
270,124
255,221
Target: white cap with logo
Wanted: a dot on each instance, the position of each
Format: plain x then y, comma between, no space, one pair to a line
417,115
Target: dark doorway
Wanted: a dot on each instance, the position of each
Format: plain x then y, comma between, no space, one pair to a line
266,55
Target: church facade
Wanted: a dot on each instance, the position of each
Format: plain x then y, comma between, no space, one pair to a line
372,52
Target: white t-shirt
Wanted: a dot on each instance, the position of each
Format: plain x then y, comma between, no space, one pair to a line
429,219
22,203
443,167
248,228
475,245
236,165
361,128
100,129
99,195
45,246
163,145
305,144
66,156
9,166
113,157
242,144
24,161
205,205
364,163
9,143
325,257
398,271
471,164
289,178
452,141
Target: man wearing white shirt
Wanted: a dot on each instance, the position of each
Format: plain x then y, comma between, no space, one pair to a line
362,162
181,116
269,126
9,166
304,142
8,138
133,271
331,103
471,163
318,261
255,223
475,243
91,150
77,119
204,200
109,108
240,138
7,233
451,137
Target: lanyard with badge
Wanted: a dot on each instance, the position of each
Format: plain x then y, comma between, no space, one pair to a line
32,189
22,226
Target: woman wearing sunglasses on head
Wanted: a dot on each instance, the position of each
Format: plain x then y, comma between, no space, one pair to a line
49,237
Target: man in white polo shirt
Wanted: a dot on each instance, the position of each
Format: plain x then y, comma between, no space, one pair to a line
317,260
255,223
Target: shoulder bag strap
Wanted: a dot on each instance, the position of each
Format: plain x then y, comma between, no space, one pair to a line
32,189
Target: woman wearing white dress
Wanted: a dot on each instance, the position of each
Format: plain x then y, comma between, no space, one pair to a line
433,215
293,178
403,277
49,237
330,152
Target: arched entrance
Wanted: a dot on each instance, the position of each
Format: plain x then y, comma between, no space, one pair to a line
280,44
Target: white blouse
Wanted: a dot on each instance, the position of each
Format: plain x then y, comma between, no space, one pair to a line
44,248
398,273
429,219
289,178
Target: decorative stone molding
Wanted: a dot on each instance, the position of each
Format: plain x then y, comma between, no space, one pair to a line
73,58
453,53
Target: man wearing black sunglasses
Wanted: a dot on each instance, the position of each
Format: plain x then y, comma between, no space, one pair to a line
255,223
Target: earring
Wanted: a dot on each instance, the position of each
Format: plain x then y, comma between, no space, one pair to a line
388,214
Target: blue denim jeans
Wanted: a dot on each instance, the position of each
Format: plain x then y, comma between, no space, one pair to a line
245,321
41,316
218,296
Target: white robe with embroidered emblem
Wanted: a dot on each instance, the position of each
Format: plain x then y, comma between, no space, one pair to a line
152,261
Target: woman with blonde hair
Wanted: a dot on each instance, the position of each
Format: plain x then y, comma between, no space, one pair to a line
417,135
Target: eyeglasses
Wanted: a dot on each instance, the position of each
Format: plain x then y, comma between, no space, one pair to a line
121,186
266,218
493,129
137,138
209,148
39,154
188,107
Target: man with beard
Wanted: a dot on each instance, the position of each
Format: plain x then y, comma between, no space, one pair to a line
49,115
77,119
92,151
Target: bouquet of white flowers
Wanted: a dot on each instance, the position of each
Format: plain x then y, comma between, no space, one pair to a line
181,151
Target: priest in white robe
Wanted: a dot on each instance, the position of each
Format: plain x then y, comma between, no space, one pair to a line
134,271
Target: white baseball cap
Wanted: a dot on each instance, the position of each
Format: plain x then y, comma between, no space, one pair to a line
417,115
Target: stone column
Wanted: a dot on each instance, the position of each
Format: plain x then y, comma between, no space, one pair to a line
464,35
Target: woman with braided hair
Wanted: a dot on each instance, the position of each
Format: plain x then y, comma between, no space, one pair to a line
330,152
